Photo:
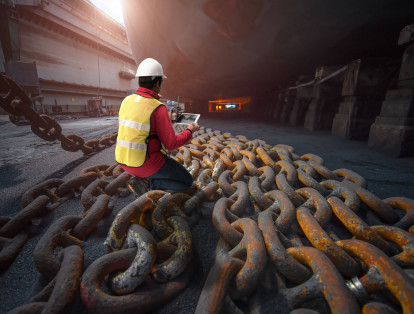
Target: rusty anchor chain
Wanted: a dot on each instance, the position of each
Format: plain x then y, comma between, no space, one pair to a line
237,270
151,243
382,273
314,193
66,234
325,283
97,300
62,291
293,236
47,196
16,102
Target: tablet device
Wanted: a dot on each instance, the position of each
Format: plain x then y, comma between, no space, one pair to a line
187,118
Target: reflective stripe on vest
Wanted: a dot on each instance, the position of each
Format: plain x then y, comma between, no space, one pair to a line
137,146
133,132
134,125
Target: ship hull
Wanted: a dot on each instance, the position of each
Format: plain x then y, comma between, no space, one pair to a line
212,49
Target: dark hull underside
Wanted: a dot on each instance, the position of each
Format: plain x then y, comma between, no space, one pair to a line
212,49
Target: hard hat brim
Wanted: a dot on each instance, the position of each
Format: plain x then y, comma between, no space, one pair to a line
163,76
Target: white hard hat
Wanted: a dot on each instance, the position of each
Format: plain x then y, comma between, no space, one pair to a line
150,67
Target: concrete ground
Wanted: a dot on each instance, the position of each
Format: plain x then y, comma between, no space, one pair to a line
26,160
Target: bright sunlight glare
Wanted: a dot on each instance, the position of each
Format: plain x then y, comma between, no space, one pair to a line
111,7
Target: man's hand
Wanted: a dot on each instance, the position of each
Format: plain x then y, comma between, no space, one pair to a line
193,127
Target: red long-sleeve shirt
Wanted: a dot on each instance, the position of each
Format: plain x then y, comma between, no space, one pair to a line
161,126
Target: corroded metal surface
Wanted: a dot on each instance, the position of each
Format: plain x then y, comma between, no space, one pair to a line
383,273
147,298
127,281
293,236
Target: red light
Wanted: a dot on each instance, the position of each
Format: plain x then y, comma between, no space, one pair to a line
228,104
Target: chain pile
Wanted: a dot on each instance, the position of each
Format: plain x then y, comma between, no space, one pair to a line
310,233
155,228
16,102
295,237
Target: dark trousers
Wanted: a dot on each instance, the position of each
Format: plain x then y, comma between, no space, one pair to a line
172,176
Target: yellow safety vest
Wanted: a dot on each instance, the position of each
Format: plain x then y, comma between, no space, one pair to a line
134,127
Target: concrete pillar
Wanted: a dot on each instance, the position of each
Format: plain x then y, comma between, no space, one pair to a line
343,119
288,100
325,98
301,104
363,91
278,106
393,130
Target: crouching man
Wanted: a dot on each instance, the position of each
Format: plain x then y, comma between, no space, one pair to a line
144,130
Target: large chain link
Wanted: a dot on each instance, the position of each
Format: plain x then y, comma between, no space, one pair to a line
16,102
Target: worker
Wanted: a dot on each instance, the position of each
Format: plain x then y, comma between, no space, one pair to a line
144,131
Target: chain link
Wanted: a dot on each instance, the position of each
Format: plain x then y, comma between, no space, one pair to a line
16,102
